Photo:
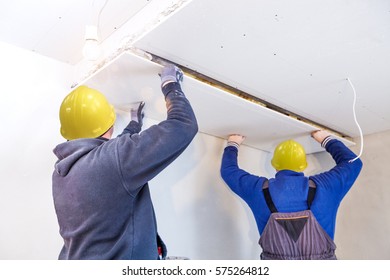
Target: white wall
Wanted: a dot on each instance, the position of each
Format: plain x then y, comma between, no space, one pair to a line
198,216
363,225
32,88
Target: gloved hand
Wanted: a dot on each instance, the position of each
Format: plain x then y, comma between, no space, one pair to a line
138,115
322,137
171,73
235,140
135,125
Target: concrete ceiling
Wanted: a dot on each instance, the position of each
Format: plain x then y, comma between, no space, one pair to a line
293,54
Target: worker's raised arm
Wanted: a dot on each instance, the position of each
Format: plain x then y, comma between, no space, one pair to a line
239,181
341,177
142,156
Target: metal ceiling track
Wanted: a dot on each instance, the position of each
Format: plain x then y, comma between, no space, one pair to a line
237,92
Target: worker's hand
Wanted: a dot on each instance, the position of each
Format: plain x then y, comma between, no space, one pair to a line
135,124
236,138
320,135
137,115
170,74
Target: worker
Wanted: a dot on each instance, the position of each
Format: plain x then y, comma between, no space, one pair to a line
295,214
100,184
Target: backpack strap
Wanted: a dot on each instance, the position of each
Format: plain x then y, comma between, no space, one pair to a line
311,193
268,198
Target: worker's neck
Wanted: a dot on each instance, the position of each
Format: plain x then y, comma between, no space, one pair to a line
109,133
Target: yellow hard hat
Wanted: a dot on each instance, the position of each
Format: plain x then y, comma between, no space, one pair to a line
289,155
85,113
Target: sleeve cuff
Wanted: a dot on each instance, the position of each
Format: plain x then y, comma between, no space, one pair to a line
325,141
233,144
172,87
132,128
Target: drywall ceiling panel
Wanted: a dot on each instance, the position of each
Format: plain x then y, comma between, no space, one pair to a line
294,54
131,78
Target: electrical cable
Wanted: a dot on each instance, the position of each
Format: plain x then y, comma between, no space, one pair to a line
100,13
356,121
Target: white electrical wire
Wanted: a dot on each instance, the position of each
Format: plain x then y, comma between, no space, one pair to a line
357,123
100,13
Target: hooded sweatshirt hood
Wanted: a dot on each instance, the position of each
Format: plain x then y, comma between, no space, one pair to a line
70,152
